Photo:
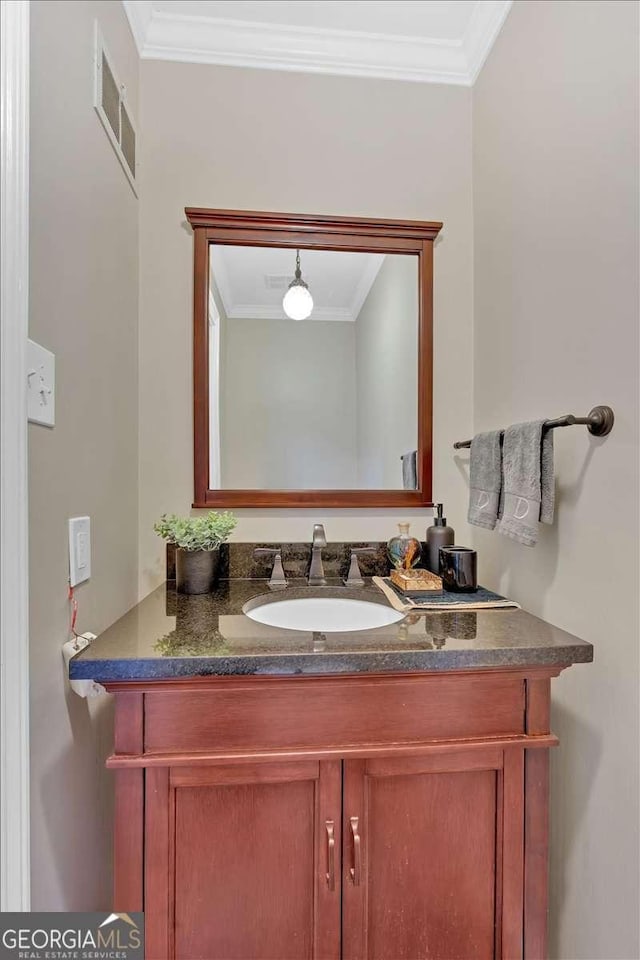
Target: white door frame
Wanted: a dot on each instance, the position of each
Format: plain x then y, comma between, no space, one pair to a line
14,571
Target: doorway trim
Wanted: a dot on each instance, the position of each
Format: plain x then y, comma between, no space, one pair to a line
14,588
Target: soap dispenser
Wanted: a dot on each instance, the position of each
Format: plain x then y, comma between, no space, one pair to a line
438,535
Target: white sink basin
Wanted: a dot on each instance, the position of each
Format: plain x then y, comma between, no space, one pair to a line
322,614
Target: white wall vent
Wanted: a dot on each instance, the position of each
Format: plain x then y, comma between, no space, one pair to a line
111,106
276,282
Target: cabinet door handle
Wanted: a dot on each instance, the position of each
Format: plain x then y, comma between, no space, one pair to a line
355,870
331,855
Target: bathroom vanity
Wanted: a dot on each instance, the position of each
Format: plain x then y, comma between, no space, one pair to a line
284,794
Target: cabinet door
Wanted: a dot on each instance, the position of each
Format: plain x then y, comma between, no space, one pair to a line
433,857
243,861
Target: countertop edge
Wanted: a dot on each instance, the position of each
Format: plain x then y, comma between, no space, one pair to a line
325,664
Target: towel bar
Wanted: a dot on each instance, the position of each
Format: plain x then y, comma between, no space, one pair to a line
598,422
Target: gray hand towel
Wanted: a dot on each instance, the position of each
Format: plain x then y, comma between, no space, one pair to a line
527,467
485,470
410,470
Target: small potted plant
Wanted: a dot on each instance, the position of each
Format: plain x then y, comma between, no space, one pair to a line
197,541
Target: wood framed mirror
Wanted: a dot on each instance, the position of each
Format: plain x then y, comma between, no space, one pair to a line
333,409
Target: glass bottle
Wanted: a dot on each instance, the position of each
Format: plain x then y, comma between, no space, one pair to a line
403,551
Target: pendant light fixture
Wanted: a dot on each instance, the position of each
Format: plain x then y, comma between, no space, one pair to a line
298,302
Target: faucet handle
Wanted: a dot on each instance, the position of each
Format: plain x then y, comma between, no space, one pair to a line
354,577
278,578
319,536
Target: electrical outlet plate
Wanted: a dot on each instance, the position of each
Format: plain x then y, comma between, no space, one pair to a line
41,385
79,550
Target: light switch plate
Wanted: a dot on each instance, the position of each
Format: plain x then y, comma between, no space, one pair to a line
79,550
41,385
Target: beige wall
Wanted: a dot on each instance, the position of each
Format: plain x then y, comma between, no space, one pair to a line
556,330
84,297
265,140
287,412
554,165
387,374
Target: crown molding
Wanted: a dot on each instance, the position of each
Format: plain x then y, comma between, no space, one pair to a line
139,14
258,311
481,34
242,43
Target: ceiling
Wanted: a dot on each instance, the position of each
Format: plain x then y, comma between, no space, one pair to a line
429,41
252,281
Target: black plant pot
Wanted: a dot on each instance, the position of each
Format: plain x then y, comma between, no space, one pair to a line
197,570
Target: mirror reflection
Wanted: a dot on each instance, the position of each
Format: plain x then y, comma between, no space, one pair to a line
313,369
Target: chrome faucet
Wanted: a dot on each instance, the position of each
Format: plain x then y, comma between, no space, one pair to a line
316,571
354,577
278,579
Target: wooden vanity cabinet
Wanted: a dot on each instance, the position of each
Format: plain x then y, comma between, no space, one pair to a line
431,870
291,818
235,865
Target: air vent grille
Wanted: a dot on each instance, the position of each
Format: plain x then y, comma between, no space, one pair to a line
128,139
274,282
112,108
110,99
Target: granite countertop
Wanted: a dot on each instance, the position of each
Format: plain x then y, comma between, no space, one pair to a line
170,635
